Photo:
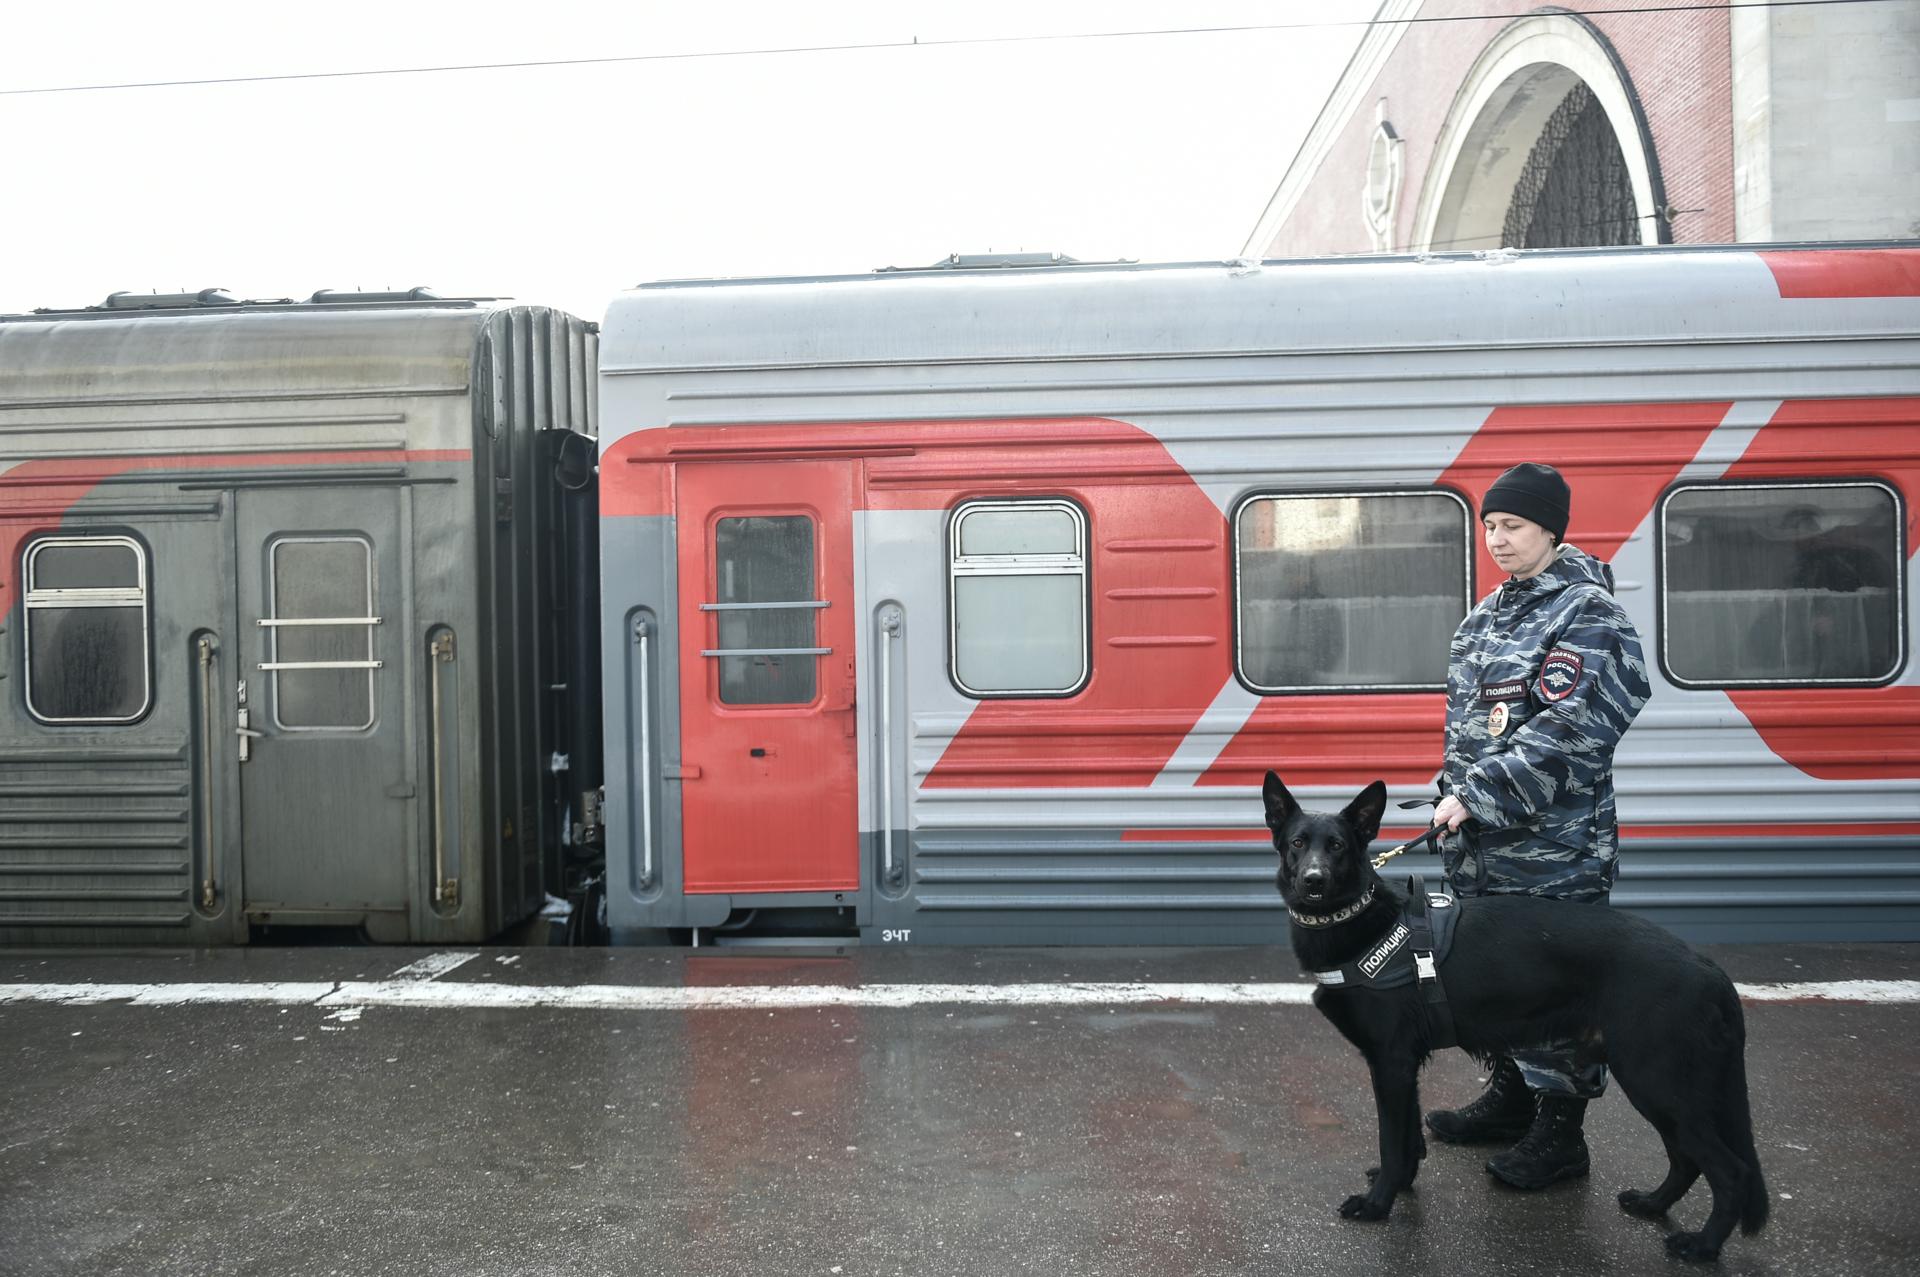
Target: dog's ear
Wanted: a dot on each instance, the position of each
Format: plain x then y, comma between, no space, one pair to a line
1280,804
1364,812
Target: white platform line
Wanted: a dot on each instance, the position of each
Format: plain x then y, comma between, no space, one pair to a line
1893,991
433,966
614,997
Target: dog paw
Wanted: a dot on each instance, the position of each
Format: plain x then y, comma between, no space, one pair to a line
1691,1246
1362,1207
1635,1202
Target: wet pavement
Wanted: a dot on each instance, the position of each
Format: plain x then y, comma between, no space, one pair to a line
504,1133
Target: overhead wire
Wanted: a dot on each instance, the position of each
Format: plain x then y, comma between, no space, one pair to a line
917,43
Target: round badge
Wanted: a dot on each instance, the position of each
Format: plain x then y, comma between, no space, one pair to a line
1497,720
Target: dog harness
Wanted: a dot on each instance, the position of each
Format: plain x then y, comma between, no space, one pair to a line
1412,950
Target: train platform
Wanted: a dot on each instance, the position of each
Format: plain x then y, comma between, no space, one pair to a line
857,1111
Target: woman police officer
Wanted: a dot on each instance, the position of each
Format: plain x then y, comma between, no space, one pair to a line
1543,678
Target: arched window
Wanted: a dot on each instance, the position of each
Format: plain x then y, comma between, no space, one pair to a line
1545,147
1573,190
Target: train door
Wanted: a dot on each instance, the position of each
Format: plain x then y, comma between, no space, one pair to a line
768,746
324,775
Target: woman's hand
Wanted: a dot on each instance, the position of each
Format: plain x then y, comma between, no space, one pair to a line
1451,813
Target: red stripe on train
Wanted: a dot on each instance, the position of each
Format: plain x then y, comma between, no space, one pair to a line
1867,272
1617,459
1352,739
1841,733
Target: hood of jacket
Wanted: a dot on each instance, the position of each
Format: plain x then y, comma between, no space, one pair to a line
1571,566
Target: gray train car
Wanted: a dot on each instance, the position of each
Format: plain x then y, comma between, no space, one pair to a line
971,604
292,596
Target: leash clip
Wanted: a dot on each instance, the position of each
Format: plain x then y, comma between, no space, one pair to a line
1432,833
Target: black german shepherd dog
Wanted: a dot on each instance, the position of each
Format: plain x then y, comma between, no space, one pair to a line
1525,972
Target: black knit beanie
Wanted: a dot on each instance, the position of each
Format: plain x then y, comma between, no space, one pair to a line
1534,492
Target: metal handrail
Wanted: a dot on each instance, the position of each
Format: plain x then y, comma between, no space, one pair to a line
320,665
209,887
446,890
763,607
889,630
643,780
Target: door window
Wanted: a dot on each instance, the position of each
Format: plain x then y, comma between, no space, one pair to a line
765,608
87,630
320,626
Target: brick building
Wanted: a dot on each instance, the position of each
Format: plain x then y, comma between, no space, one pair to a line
1459,126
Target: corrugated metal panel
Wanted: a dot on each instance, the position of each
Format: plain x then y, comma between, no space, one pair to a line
94,839
542,379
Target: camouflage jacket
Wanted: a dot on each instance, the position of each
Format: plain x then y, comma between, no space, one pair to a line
1543,678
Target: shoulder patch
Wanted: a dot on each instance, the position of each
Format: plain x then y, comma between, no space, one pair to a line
1559,674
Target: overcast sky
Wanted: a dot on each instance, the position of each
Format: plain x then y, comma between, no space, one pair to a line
565,184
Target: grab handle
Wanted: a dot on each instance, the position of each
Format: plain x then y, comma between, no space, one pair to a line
890,621
446,888
209,883
643,775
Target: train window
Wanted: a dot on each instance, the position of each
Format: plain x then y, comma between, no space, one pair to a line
87,630
1349,591
766,610
321,624
1781,583
1017,598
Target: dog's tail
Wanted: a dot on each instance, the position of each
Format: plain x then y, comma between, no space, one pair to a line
1736,1130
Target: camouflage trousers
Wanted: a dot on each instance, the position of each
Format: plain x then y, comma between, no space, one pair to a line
1557,1069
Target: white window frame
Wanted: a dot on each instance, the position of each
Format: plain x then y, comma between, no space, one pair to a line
36,599
1811,485
1467,543
1002,565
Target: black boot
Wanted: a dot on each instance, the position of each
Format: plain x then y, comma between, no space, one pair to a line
1504,1110
1553,1150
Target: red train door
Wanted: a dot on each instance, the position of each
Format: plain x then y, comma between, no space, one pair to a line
766,676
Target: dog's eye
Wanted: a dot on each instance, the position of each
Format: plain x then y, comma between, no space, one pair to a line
1299,842
1334,843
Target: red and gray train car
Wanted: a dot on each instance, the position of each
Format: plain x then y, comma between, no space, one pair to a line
283,617
971,604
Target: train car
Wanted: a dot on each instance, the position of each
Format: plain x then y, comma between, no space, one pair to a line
970,604
295,605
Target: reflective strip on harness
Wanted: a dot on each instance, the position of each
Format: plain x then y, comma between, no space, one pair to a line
1410,953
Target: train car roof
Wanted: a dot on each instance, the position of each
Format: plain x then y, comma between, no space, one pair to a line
1022,310
241,350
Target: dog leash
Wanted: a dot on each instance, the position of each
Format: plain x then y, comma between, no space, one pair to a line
1431,834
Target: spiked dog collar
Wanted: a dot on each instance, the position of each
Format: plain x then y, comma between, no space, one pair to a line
1329,919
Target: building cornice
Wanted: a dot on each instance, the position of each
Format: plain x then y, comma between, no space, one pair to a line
1349,94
